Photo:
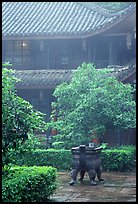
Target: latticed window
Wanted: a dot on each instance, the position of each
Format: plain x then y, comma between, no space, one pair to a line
17,52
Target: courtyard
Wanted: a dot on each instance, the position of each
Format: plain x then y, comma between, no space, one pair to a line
116,187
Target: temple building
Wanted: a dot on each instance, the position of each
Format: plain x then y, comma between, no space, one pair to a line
46,42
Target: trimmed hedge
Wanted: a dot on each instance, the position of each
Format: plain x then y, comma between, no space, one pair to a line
60,159
112,159
118,160
29,184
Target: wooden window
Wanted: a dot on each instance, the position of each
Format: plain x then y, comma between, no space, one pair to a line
18,52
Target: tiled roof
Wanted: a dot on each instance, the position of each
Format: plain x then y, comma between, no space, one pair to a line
42,78
56,19
124,72
51,78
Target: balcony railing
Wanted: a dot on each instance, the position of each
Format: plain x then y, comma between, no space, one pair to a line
56,65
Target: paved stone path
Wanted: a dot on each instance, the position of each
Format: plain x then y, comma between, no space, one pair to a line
116,187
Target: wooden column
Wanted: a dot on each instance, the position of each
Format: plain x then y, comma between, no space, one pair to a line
112,52
48,58
89,51
94,53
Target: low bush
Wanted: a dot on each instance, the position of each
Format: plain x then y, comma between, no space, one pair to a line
118,160
60,159
129,148
29,184
113,159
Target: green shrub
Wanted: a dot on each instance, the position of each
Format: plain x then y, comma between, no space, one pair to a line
118,160
130,148
29,184
60,159
19,119
121,159
58,145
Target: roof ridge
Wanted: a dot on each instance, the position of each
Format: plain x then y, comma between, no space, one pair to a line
45,70
105,11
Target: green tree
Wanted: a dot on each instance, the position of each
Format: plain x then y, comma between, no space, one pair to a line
19,119
92,102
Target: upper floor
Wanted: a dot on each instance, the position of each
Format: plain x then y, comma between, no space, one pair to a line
63,35
69,53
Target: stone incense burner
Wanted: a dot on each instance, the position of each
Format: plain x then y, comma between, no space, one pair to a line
86,159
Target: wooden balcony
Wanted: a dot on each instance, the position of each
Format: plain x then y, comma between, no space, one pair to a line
56,65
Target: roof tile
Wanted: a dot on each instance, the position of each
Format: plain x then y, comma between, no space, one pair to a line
44,78
56,18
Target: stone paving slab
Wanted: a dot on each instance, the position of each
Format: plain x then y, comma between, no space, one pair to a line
116,187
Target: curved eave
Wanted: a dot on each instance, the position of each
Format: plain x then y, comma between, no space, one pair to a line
49,79
125,78
75,35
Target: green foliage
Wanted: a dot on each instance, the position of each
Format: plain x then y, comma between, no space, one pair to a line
121,158
60,159
58,145
19,119
129,148
29,184
91,103
104,145
118,160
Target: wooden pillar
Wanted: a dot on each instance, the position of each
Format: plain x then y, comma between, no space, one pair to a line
48,58
94,52
89,52
41,95
84,50
112,52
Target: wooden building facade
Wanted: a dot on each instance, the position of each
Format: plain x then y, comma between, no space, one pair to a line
69,53
47,41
